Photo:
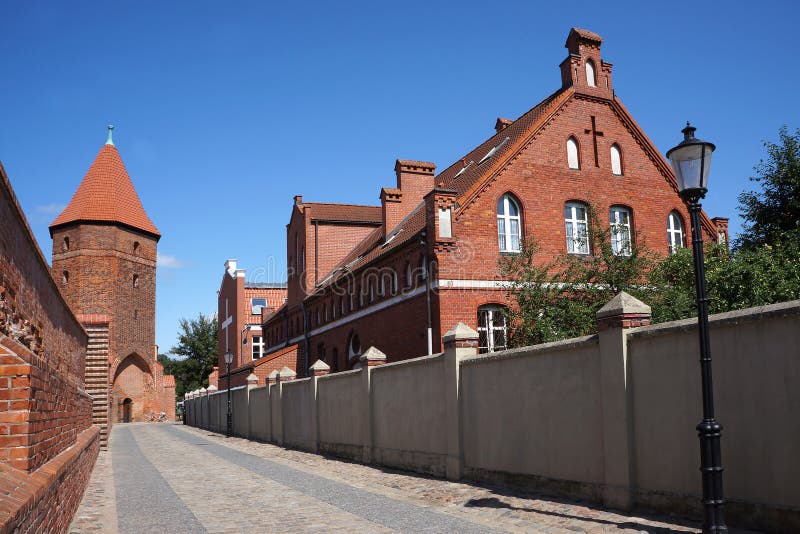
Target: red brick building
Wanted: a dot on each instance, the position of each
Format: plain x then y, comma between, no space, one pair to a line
104,260
241,306
427,257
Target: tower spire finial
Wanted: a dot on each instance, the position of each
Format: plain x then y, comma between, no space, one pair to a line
110,141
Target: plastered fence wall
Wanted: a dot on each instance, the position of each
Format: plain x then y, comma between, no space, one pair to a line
610,417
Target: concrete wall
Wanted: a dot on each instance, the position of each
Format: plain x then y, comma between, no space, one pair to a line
610,418
545,402
259,413
408,415
342,409
298,400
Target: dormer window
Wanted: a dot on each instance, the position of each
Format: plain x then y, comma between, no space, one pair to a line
256,305
590,77
572,154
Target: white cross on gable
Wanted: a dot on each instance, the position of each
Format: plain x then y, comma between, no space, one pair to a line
226,323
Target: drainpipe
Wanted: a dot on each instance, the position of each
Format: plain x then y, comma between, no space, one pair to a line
423,241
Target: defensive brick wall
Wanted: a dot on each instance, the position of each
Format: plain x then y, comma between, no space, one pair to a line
47,445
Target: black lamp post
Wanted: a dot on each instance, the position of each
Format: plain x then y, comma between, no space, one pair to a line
691,161
228,359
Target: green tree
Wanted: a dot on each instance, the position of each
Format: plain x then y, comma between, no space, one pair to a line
772,215
560,298
196,353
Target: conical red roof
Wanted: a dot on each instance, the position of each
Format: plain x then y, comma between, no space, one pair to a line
106,194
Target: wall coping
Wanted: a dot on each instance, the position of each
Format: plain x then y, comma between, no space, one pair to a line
341,374
746,315
298,381
533,350
420,360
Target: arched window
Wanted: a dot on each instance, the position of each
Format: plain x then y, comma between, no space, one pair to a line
620,219
394,282
577,227
491,328
675,232
616,160
508,224
135,247
65,278
573,160
409,274
590,77
135,280
354,348
65,244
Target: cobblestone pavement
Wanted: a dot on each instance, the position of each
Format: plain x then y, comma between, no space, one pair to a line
172,478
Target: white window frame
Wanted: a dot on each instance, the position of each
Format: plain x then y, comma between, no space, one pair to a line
573,226
591,73
252,306
257,347
505,221
621,237
495,321
675,234
616,160
573,154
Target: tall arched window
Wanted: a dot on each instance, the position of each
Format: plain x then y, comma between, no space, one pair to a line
590,77
573,160
616,160
354,348
65,244
65,278
675,232
509,234
577,227
491,328
135,280
409,271
620,219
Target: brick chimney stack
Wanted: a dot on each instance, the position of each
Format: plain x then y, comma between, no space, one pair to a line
414,181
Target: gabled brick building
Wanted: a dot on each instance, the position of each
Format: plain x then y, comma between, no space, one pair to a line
104,260
241,306
427,257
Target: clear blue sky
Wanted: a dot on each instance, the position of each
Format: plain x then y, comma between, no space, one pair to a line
245,104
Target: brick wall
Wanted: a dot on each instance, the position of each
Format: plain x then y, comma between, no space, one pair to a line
44,410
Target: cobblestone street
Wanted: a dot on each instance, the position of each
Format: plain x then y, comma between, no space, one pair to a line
171,478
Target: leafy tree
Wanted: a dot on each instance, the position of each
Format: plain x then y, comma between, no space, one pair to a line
560,298
772,215
196,351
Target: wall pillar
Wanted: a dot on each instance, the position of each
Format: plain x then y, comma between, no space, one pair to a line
319,369
284,375
613,319
371,358
252,383
461,341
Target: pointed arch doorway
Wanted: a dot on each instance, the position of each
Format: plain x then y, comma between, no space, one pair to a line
127,406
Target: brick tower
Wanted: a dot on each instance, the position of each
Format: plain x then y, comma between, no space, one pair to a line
104,259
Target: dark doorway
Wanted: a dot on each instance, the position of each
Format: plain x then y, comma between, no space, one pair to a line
127,404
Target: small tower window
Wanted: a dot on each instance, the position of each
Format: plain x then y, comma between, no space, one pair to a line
136,247
590,77
572,154
65,244
65,278
135,280
135,314
616,160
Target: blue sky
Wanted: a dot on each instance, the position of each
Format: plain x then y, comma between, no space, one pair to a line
224,111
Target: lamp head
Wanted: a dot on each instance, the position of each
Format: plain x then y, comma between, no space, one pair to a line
691,162
228,357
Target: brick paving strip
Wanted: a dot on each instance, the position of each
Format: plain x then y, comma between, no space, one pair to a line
172,478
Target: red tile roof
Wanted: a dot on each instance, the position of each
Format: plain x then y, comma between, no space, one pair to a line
586,34
106,194
344,212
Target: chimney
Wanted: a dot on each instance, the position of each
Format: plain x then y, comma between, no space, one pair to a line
230,266
501,124
414,181
391,209
584,68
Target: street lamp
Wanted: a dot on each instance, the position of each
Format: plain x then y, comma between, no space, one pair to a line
228,359
691,161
